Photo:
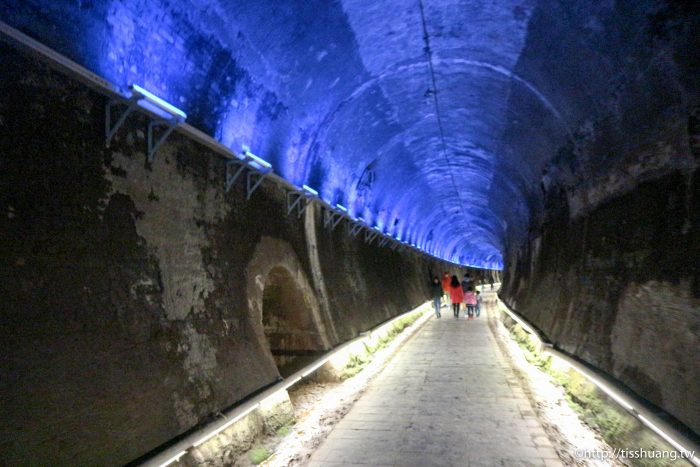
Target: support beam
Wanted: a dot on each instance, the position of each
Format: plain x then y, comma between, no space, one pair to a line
355,228
111,130
154,144
253,181
234,169
331,218
255,173
297,201
370,235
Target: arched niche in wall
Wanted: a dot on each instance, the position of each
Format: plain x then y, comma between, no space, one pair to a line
284,308
288,323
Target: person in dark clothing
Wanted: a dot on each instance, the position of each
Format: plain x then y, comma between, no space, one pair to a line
456,295
467,282
436,294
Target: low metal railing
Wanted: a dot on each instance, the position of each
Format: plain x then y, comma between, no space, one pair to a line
170,454
644,411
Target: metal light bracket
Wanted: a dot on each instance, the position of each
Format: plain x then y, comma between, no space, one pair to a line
254,176
158,117
253,181
354,229
153,146
383,241
370,235
299,201
234,169
111,130
331,219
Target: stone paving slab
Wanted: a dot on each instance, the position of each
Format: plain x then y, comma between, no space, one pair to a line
448,398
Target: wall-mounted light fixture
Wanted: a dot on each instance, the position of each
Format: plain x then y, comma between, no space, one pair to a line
256,167
163,114
151,102
255,160
310,190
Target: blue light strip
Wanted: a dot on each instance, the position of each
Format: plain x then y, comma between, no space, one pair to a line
257,159
310,190
341,207
158,101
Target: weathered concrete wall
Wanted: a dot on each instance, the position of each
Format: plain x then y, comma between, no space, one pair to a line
610,270
619,288
132,293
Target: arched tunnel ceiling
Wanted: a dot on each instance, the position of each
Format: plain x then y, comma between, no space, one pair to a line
432,119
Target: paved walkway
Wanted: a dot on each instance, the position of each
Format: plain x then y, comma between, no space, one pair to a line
448,397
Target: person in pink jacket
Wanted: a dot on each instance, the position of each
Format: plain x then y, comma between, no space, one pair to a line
470,301
456,295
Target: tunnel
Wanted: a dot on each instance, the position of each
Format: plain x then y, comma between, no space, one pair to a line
198,198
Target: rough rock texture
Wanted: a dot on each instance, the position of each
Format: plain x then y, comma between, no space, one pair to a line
619,288
558,137
610,270
133,294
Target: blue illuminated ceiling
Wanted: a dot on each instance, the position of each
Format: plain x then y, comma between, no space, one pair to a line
418,116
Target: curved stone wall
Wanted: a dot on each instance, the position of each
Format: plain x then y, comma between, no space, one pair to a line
558,139
133,292
609,269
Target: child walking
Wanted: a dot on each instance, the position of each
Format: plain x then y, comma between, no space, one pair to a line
470,301
478,303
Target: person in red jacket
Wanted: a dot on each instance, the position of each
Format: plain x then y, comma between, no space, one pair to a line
456,295
446,287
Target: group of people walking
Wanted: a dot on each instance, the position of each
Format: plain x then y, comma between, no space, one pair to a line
456,293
